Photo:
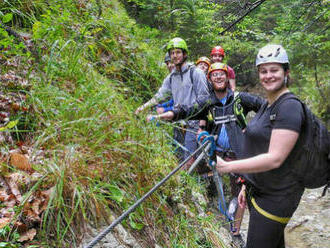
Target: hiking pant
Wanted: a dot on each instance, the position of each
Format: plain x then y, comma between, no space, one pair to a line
264,232
178,135
190,139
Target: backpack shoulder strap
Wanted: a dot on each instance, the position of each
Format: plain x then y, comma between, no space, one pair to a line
239,110
277,104
191,71
171,79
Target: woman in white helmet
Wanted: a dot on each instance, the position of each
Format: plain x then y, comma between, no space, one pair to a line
271,191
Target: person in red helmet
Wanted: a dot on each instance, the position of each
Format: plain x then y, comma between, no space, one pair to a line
217,55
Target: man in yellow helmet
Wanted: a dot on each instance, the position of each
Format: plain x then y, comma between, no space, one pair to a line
228,111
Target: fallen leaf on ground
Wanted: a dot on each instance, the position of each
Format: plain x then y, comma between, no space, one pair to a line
3,195
29,235
21,227
14,180
4,222
31,216
20,161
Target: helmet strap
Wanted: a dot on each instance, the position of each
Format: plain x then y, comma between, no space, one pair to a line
185,57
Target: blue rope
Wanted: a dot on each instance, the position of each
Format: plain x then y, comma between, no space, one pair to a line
208,137
216,177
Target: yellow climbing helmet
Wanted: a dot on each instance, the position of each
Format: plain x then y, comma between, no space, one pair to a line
217,66
204,59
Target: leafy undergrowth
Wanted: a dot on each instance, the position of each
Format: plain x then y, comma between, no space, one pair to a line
72,151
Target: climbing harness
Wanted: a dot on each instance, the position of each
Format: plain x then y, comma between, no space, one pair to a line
218,120
237,116
216,177
143,198
283,220
239,111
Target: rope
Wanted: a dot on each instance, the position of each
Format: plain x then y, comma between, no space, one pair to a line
216,176
175,142
138,202
173,124
199,158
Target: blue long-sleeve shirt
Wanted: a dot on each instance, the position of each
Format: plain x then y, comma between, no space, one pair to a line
223,140
167,105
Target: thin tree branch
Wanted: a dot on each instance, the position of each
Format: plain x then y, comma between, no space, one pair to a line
318,84
98,3
256,4
12,32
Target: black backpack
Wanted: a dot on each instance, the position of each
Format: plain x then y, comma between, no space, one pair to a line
191,73
311,154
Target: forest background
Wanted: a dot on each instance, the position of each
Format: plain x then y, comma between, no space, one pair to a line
72,74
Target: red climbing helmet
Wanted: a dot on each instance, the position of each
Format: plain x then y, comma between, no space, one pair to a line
218,50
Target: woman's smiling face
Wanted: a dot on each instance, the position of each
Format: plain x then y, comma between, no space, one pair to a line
271,76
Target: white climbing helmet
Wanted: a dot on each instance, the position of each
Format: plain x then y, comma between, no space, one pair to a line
272,54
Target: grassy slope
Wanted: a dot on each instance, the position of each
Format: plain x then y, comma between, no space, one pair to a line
97,155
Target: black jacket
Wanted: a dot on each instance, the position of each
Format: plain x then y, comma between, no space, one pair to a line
214,106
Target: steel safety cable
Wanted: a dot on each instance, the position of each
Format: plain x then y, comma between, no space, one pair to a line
143,198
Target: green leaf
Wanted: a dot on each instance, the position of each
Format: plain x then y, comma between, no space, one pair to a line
116,193
6,245
10,124
133,223
7,17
